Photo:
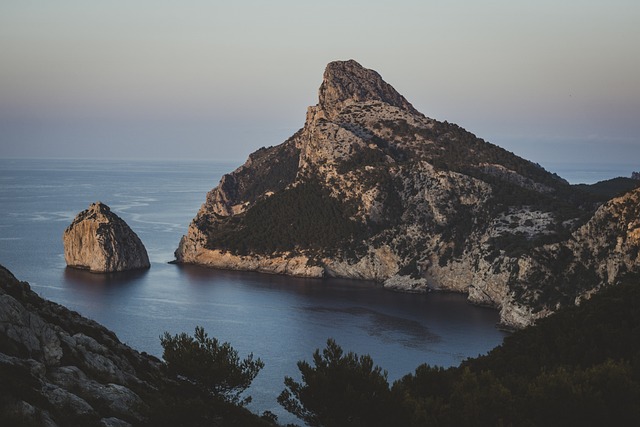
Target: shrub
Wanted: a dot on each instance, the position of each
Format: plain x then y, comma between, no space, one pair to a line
213,367
339,390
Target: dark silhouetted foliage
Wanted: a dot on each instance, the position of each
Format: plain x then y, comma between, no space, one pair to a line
210,365
339,390
605,190
578,367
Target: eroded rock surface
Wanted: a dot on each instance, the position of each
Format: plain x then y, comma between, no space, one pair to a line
100,241
59,368
370,188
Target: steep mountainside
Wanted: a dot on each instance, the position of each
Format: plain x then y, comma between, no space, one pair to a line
370,188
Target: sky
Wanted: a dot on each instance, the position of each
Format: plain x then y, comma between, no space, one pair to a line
550,81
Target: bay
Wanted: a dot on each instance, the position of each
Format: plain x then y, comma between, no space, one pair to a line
279,319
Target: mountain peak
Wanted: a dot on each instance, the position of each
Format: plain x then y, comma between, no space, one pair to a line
345,82
371,189
99,207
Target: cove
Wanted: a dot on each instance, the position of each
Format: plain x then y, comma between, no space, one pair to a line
280,319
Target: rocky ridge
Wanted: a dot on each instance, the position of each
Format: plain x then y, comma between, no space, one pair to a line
372,189
100,241
58,368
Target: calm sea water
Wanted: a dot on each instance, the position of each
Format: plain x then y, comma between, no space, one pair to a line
279,319
580,173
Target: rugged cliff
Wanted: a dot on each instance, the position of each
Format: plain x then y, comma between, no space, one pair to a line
598,254
370,188
100,241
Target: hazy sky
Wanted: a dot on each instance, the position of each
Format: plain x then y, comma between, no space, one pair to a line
549,80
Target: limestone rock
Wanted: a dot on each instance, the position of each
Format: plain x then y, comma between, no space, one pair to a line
370,188
347,82
100,241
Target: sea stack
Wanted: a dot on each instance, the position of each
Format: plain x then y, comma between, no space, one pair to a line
100,241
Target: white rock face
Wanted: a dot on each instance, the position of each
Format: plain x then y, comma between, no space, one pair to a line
100,241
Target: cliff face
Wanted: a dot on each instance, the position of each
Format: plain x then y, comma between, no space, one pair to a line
370,188
597,254
100,241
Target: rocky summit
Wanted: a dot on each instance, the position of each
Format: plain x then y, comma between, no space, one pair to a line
372,189
100,241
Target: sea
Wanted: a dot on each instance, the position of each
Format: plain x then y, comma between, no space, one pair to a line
279,319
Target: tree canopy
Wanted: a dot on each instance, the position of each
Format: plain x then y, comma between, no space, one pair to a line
339,389
213,366
578,367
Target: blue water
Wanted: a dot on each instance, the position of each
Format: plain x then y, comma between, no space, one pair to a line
279,319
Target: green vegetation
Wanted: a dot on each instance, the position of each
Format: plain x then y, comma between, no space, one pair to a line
457,230
272,169
605,190
456,149
518,244
304,216
578,367
208,378
213,367
183,404
340,390
362,156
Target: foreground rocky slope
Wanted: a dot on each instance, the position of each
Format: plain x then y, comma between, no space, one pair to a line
372,189
100,241
58,368
61,368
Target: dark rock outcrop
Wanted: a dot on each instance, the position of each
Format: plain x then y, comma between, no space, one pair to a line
100,241
58,368
372,189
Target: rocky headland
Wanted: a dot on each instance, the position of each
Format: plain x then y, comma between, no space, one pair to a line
100,241
370,188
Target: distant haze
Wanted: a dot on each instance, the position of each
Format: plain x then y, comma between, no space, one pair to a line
550,81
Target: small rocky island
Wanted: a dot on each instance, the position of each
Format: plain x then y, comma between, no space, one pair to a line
100,241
